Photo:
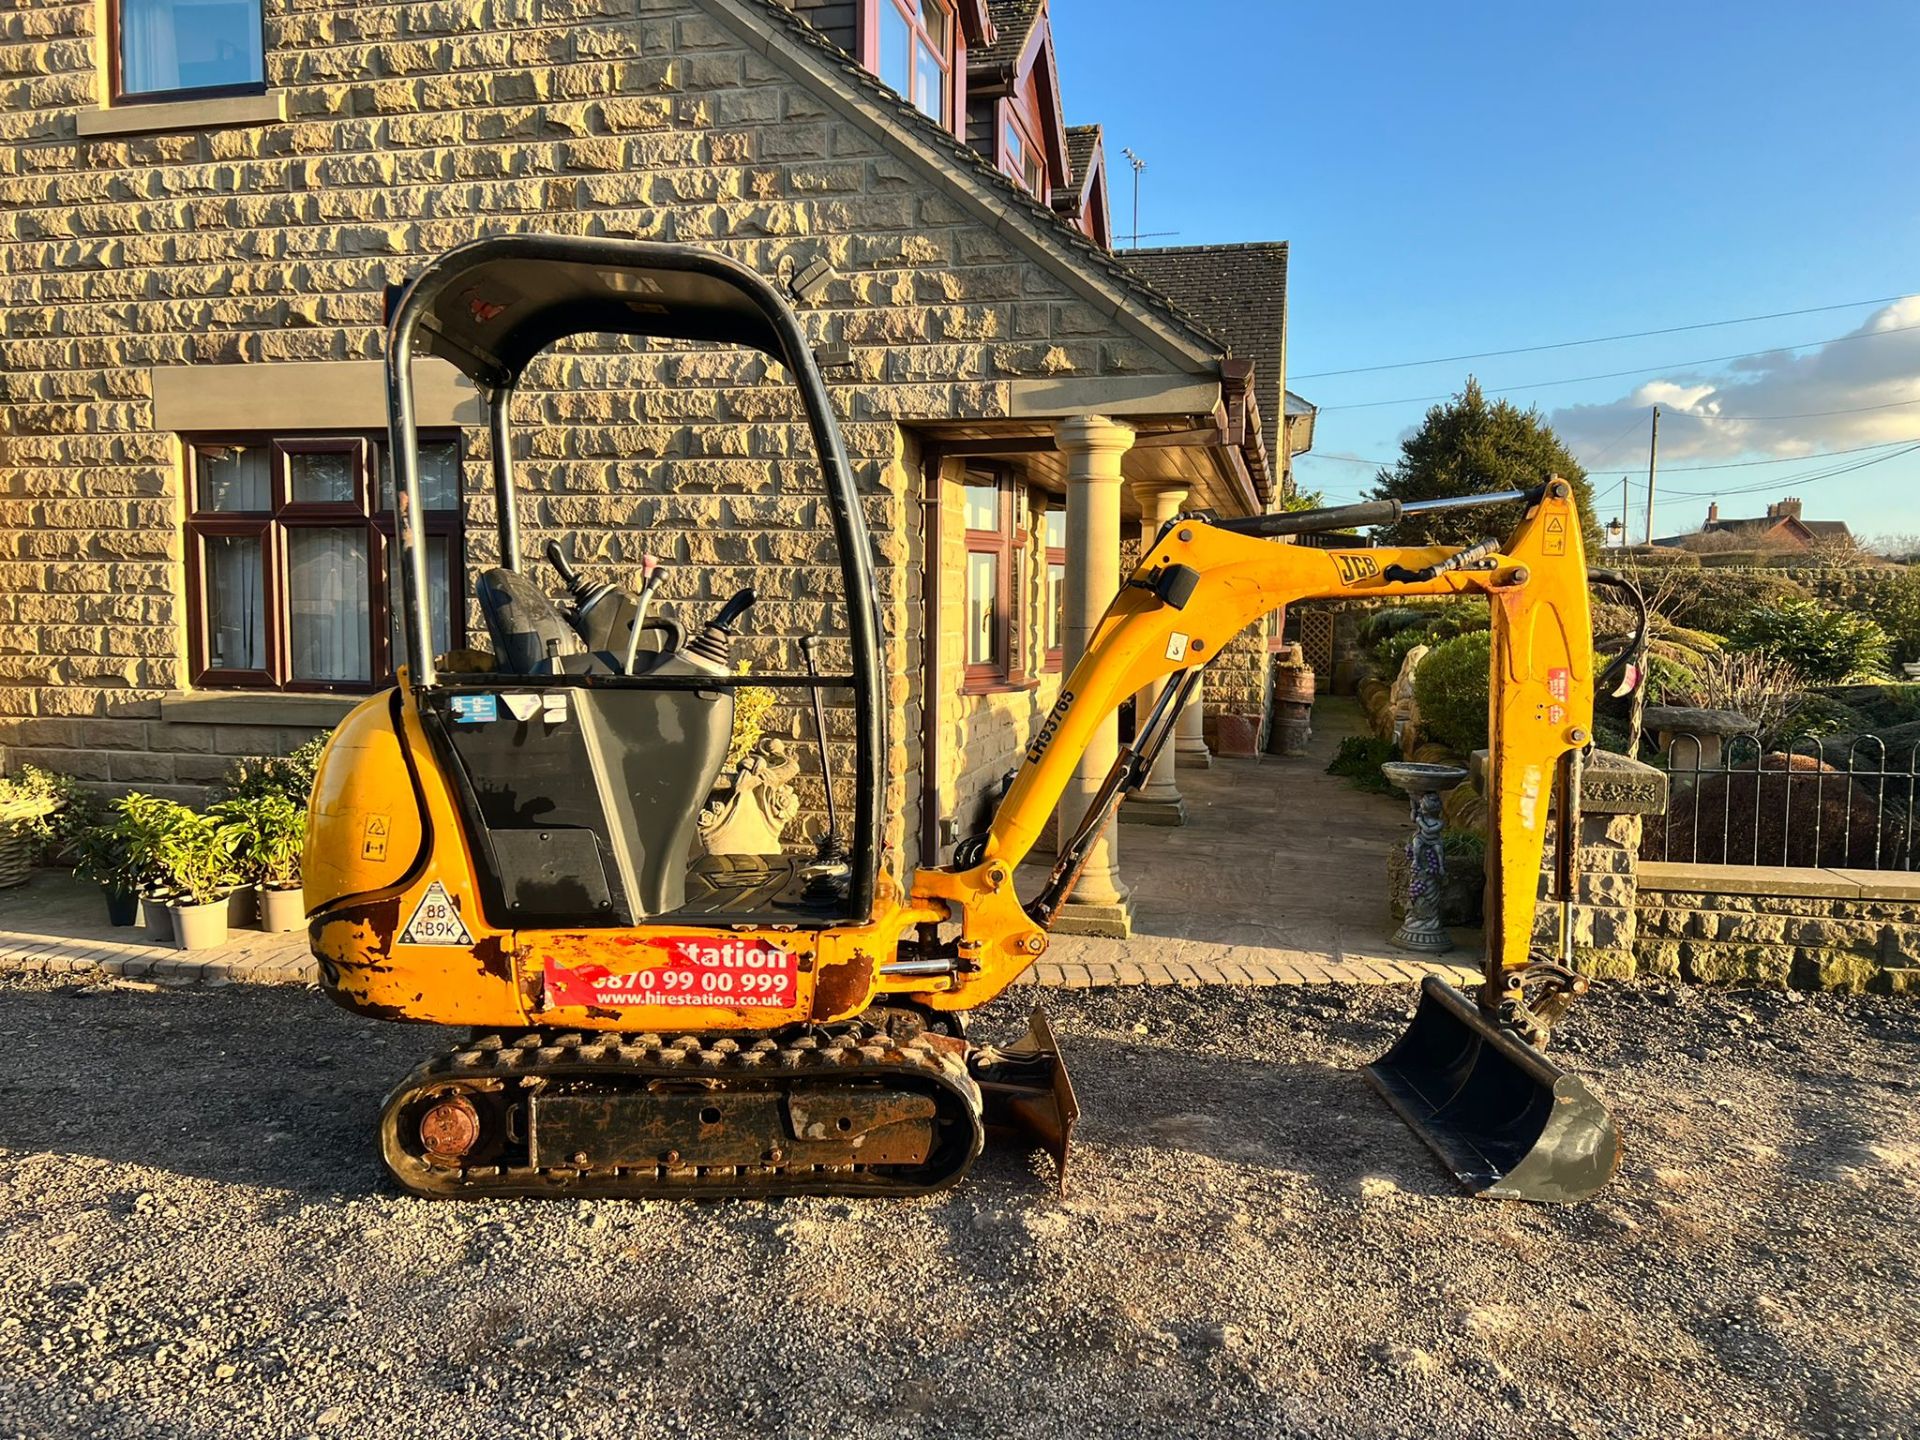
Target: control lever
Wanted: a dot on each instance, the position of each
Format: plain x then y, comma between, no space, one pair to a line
714,644
599,609
650,568
831,847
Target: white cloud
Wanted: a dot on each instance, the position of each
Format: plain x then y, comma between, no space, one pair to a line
1805,389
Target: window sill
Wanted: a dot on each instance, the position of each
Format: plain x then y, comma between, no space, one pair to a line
265,707
211,113
1000,687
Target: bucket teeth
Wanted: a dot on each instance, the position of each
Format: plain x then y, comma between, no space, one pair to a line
1507,1121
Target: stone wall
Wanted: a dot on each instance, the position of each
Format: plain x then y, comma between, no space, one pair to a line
411,128
1811,929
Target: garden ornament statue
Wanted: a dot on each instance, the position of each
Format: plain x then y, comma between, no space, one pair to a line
1425,785
749,818
1406,710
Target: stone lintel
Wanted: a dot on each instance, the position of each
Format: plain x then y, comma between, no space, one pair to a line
1158,395
1785,880
305,395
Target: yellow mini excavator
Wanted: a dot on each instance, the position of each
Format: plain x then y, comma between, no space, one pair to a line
511,840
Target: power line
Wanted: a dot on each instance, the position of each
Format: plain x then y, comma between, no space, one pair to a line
1794,459
1830,473
1796,414
1597,340
1640,370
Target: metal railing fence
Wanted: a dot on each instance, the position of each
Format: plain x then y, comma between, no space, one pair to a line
1842,803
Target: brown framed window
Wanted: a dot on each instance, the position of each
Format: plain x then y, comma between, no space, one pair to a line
172,49
992,631
1020,154
914,53
289,546
1055,614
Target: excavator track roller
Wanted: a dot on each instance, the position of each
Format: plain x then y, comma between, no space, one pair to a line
1507,1121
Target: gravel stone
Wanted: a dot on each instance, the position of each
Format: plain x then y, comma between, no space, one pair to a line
197,1239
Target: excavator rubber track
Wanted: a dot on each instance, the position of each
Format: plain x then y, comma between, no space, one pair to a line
840,1111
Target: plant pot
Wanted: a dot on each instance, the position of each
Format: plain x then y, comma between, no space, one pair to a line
243,907
123,906
282,910
159,919
200,927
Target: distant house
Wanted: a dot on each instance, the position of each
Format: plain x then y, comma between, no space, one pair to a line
1781,528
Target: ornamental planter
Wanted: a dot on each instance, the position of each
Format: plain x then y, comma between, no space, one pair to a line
200,927
243,907
159,918
123,905
282,910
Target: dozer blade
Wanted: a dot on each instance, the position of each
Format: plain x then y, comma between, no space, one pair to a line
1507,1121
1025,1092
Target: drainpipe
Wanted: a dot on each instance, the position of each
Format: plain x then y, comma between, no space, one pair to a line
932,554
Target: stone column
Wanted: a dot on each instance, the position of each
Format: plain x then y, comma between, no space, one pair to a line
1157,802
1092,447
1190,739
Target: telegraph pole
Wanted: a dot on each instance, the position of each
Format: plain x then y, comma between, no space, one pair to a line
1624,542
1653,463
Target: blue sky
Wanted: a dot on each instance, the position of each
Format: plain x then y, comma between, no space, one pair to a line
1468,178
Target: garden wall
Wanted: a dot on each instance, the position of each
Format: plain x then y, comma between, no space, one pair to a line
1802,928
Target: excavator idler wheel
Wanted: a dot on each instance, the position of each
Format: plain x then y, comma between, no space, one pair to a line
1507,1121
449,1128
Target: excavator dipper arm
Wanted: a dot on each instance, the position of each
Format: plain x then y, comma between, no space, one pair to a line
1199,586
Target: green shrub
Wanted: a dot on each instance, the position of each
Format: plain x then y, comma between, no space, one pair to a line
264,834
1813,717
1893,600
1450,687
290,775
1716,601
1825,646
1359,759
1423,625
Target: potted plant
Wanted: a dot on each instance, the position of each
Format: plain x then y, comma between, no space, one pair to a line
145,820
101,852
28,802
196,862
266,832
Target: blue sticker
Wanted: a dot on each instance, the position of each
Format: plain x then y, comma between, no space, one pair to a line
474,709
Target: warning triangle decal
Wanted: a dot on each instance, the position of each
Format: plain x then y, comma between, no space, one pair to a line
1555,525
435,921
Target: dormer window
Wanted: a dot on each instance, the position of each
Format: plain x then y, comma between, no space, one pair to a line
1021,157
916,53
169,49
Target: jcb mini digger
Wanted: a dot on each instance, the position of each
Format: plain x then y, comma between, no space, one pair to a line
509,842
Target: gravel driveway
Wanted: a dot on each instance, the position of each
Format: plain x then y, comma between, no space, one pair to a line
196,1241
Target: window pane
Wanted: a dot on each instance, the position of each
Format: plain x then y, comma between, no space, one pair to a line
934,17
328,604
983,579
896,48
320,477
983,507
233,477
930,82
1016,154
231,582
439,476
441,598
189,45
1056,604
1056,529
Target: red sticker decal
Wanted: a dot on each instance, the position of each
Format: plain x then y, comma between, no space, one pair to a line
1557,684
701,971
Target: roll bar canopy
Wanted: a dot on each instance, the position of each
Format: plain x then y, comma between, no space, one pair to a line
490,306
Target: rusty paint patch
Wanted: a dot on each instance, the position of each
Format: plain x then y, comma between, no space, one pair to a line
843,989
494,957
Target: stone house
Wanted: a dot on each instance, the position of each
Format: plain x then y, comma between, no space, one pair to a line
207,200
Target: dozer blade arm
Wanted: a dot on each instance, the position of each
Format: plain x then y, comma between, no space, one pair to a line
1198,586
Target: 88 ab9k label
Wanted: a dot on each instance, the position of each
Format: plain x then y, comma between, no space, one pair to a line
699,971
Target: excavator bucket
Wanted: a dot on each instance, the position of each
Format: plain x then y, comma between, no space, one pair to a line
1507,1121
1025,1092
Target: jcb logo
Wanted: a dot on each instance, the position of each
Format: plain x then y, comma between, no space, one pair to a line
1355,568
1050,726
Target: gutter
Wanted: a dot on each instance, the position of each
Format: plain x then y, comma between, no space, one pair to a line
932,532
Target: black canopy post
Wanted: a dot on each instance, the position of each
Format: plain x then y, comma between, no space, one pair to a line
500,424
